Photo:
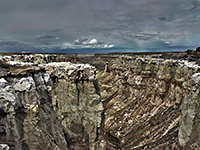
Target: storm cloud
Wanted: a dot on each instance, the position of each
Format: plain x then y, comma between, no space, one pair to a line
123,23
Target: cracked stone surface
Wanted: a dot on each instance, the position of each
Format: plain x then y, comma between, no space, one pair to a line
144,101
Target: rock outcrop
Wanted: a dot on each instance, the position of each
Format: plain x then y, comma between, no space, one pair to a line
144,101
150,103
189,130
50,106
76,100
198,49
27,119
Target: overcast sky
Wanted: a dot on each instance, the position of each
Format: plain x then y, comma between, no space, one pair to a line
99,23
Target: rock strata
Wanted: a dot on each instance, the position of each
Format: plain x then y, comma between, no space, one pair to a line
189,125
27,114
50,106
150,103
143,101
76,100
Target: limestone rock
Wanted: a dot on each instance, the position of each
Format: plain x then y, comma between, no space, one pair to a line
195,79
145,101
77,102
4,147
7,96
27,120
78,107
24,84
189,126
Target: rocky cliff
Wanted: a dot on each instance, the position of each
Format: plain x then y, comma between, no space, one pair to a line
150,103
27,119
50,106
143,101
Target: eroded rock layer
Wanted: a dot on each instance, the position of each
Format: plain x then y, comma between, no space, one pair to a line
27,120
76,100
143,100
50,106
139,101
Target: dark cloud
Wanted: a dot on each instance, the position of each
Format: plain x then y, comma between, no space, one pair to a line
45,36
119,22
14,45
192,5
163,18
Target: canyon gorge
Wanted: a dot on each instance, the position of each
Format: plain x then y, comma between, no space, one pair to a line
72,102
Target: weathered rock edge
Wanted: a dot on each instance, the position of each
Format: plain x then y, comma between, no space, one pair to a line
51,106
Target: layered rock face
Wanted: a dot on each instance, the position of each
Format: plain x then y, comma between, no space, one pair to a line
50,106
189,130
76,100
139,102
150,103
27,118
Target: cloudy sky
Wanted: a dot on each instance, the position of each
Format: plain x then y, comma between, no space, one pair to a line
99,23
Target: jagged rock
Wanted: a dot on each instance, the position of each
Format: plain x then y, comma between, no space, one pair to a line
7,96
78,104
24,84
195,80
8,125
142,99
143,102
48,82
189,130
198,49
190,51
4,147
27,120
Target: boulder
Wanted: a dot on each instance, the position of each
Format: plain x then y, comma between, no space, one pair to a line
198,49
